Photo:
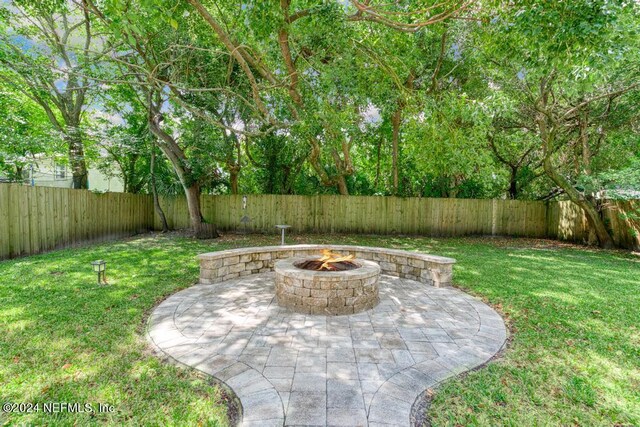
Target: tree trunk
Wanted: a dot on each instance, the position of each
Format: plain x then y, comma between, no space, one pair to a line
234,172
341,183
513,184
77,161
378,149
395,122
18,177
176,156
595,221
343,167
584,142
154,190
201,229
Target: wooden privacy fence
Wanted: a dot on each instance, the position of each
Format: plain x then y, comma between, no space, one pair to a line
36,219
394,215
367,214
567,221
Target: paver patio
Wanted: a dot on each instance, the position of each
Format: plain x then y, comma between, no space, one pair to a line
294,369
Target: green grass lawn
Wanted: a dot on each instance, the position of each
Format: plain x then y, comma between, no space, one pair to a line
574,314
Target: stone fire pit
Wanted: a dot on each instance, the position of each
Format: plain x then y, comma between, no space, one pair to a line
327,292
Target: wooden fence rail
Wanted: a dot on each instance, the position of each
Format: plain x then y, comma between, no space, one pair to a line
36,219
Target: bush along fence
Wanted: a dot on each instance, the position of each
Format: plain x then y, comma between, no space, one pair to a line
36,219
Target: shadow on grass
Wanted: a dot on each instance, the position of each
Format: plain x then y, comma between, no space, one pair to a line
574,358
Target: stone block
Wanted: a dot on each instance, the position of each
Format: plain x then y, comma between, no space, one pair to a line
253,265
245,258
442,276
415,262
363,299
303,292
317,302
326,285
406,269
341,285
382,256
370,281
399,260
231,260
336,302
344,292
318,310
206,272
236,268
210,263
370,290
312,284
320,293
388,266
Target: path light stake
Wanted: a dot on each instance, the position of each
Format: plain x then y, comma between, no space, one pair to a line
100,267
282,227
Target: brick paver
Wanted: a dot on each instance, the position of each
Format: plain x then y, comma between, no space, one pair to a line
295,369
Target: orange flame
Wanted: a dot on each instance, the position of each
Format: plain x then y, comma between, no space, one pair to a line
329,257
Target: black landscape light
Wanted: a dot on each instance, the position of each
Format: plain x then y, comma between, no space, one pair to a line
100,267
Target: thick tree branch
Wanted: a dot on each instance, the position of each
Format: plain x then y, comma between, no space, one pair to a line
237,54
366,12
610,95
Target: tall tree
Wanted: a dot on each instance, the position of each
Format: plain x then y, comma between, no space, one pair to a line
569,65
47,51
25,132
149,66
280,49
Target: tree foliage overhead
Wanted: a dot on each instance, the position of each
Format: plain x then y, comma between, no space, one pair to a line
530,99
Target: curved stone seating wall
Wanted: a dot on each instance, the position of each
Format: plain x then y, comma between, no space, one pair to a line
226,265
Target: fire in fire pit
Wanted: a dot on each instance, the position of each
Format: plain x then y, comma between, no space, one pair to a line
329,262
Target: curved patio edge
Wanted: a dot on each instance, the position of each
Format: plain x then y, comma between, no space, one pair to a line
259,402
230,264
398,396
